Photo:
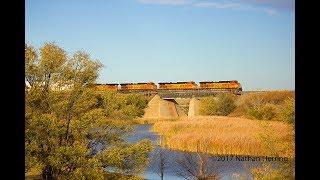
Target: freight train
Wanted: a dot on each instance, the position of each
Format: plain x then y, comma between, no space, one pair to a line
105,87
138,86
229,86
178,85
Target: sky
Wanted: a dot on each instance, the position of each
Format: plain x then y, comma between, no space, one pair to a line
251,41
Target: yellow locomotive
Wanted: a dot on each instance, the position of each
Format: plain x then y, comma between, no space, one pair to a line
220,85
105,87
178,85
138,86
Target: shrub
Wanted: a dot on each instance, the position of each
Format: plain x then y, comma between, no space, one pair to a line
222,104
208,106
263,112
287,110
259,98
226,103
269,105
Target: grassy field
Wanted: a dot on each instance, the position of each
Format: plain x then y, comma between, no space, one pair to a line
228,135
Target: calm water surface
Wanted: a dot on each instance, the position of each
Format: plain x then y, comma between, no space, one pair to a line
226,170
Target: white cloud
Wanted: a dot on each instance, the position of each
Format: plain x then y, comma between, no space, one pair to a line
271,12
279,4
217,5
270,7
169,2
234,5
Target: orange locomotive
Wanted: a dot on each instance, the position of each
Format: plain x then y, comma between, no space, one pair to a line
106,87
178,85
220,85
138,86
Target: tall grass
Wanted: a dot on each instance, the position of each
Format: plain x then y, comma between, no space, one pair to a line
227,135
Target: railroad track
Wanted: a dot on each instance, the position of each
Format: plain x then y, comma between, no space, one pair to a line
169,94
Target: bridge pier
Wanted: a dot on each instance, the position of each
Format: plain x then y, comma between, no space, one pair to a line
193,107
169,108
161,108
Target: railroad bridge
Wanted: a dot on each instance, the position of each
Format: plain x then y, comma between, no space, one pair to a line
170,100
171,94
170,104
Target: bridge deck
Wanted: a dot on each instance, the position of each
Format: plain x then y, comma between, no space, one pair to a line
181,93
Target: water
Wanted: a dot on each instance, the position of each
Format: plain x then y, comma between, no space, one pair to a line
225,169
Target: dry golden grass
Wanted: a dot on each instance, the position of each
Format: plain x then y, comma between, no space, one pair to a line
228,135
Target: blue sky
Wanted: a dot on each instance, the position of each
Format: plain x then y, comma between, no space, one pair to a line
174,40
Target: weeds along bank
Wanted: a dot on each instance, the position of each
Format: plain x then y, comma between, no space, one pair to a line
257,124
228,135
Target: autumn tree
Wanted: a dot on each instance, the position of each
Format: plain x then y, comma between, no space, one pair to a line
63,117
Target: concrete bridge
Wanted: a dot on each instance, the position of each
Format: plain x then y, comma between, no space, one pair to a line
170,108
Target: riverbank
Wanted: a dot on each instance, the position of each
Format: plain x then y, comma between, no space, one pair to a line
219,165
222,135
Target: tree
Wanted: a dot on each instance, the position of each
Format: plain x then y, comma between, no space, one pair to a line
197,165
161,157
63,116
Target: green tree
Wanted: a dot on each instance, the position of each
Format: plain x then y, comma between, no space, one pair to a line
64,118
123,106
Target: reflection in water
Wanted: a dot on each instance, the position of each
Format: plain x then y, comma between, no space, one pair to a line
182,165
